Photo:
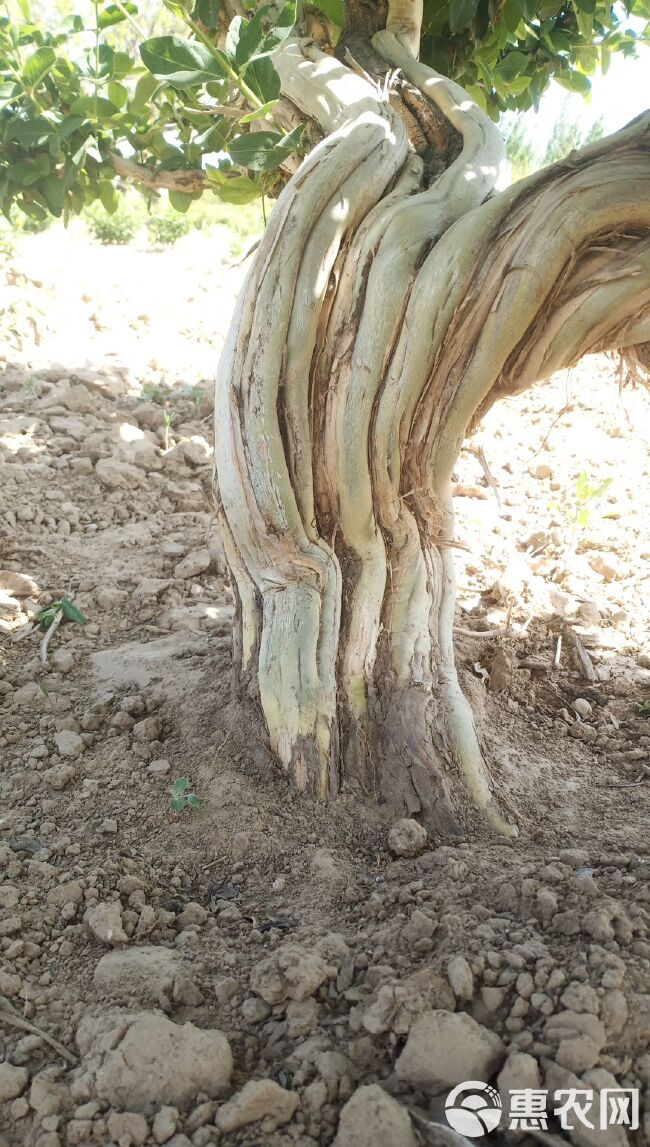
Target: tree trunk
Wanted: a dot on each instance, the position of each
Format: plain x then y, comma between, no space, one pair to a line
387,307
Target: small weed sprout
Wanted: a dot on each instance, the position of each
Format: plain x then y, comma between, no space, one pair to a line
180,798
152,392
47,616
50,617
168,418
584,495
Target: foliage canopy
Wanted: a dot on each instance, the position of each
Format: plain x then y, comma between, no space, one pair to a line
81,102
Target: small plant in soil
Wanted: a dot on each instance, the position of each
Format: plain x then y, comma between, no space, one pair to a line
152,392
66,608
50,617
584,495
168,418
180,798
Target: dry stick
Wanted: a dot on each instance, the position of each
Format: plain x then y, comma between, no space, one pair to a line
18,1022
46,640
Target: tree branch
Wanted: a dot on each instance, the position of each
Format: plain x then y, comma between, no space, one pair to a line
157,178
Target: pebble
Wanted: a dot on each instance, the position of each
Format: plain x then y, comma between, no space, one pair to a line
371,1118
259,1099
291,972
13,1081
461,979
105,922
69,744
407,837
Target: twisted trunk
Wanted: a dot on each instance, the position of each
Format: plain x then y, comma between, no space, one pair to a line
386,309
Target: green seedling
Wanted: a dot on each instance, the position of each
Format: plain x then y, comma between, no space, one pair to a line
180,799
152,392
168,418
50,617
585,494
46,616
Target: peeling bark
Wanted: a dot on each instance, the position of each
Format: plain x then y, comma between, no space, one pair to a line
382,315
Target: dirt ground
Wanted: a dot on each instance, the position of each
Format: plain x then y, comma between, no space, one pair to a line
131,937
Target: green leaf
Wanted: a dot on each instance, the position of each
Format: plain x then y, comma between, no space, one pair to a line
112,14
144,90
207,12
118,94
518,85
71,612
254,150
31,133
181,201
182,63
38,65
528,8
109,197
477,94
334,10
46,616
239,189
177,804
574,82
263,79
461,13
235,29
513,64
179,786
195,802
95,106
259,113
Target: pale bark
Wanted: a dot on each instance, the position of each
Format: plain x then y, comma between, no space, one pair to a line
380,318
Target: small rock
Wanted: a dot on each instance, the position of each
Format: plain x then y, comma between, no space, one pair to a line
69,893
520,1072
371,1118
580,998
502,667
193,914
63,660
148,729
445,1048
577,1054
582,707
18,584
69,744
542,471
13,1081
105,922
61,775
127,1128
164,1124
143,1060
291,972
302,1017
254,1010
108,826
258,1099
194,564
460,978
148,973
407,837
159,767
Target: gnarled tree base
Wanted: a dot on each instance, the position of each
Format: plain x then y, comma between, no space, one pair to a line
380,318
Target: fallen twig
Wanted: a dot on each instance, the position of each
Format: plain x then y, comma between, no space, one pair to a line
17,1021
